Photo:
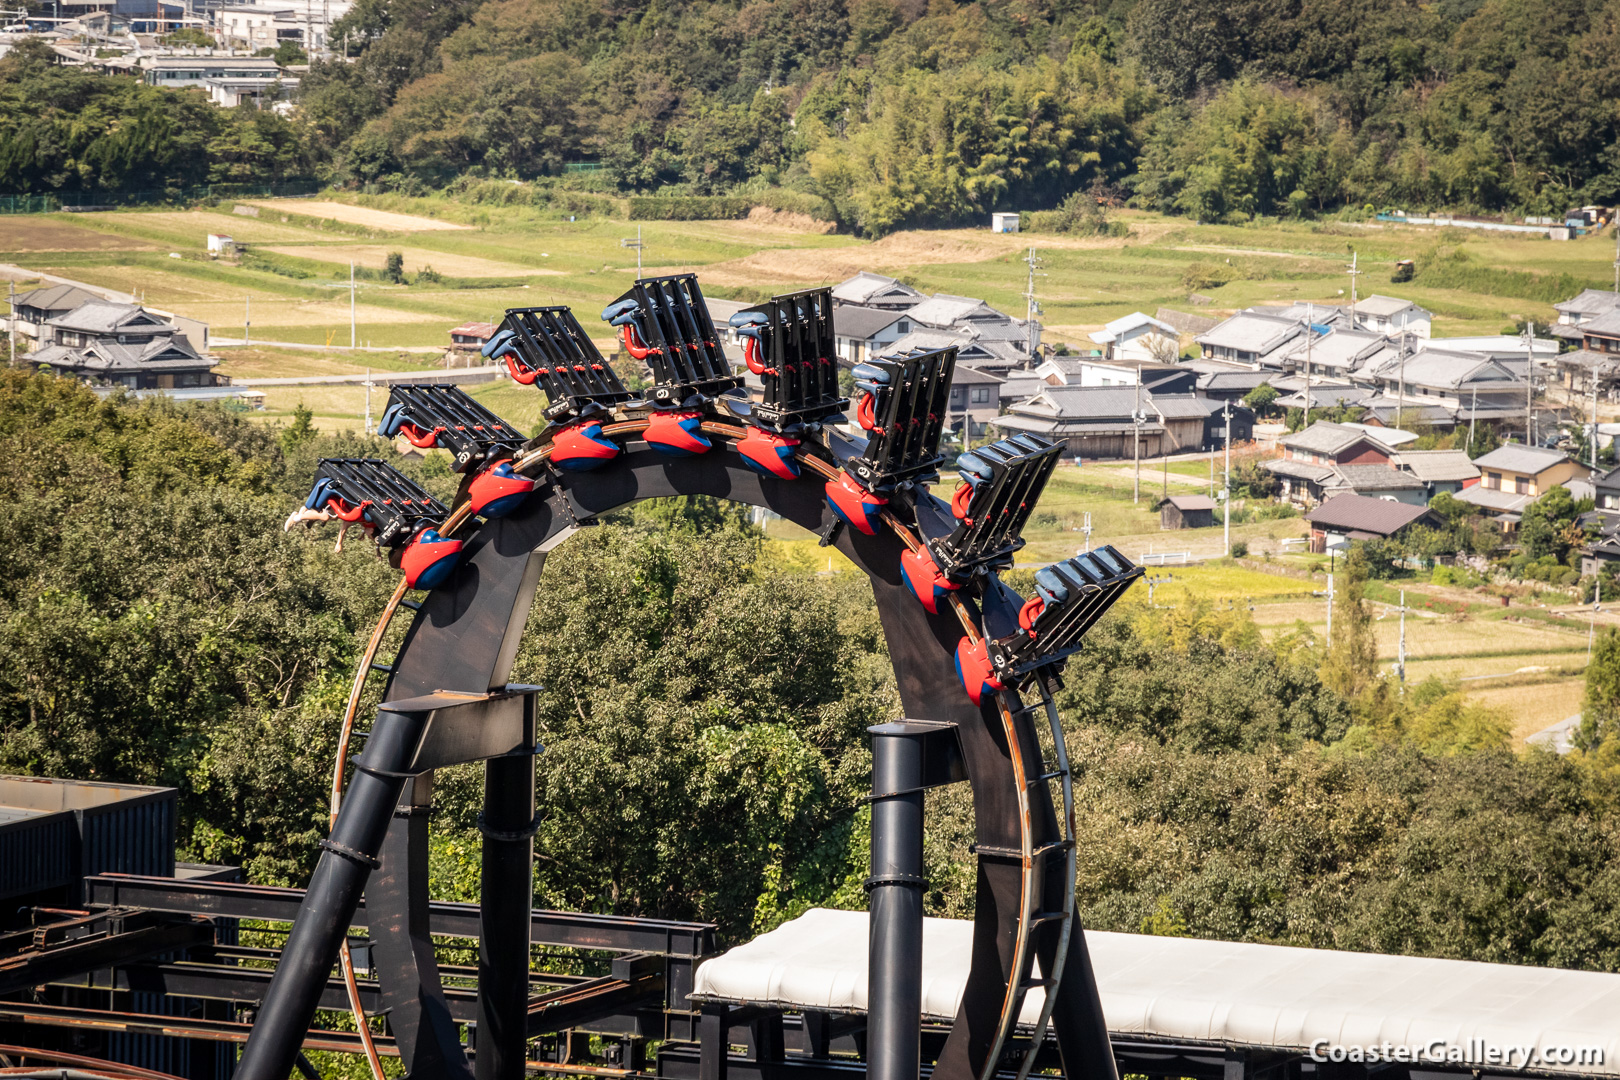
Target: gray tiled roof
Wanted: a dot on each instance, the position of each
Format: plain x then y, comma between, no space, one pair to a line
1249,332
1515,457
1450,371
1437,466
1383,305
1606,324
1492,499
1374,478
1233,380
106,317
54,298
1299,470
1182,406
1187,323
1324,437
943,309
865,285
862,323
1590,302
1342,349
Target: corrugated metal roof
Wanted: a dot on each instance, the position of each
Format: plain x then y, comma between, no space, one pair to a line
1381,517
1190,502
1515,457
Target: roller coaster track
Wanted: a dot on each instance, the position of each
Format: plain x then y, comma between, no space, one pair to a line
1036,922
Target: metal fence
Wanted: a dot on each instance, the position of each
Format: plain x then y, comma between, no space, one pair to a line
177,196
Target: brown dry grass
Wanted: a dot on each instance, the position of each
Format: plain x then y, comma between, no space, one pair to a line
355,215
199,223
333,315
251,363
23,234
893,253
788,221
375,257
1534,706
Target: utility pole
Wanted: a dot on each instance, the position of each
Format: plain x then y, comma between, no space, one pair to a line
1594,420
351,307
1617,255
11,323
1086,529
1473,413
1330,608
368,401
1354,273
1310,336
1529,382
1032,308
626,242
1400,400
1400,663
1591,624
1226,480
1136,441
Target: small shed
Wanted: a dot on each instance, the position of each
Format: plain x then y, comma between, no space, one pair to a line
220,244
1187,512
1007,223
471,336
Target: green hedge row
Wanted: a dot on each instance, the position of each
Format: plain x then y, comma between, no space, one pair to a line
689,207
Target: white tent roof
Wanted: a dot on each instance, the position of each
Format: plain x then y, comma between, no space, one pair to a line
1218,992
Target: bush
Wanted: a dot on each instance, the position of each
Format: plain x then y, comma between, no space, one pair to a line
689,207
1240,549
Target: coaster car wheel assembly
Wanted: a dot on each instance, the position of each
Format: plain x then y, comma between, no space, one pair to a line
966,649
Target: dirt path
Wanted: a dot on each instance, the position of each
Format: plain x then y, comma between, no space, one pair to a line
354,215
896,251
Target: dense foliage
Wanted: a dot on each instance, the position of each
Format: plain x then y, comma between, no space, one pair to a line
70,129
703,722
901,112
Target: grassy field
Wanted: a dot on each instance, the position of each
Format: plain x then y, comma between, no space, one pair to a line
495,258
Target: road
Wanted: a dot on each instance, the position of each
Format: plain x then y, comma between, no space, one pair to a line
451,376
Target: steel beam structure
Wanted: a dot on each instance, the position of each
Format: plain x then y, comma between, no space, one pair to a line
559,929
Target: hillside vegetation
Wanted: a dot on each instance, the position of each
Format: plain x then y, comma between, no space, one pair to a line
890,113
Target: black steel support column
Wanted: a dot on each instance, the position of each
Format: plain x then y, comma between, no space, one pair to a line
714,1041
334,893
506,893
895,900
402,946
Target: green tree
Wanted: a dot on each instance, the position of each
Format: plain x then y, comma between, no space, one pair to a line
1351,663
1261,399
1483,440
1600,705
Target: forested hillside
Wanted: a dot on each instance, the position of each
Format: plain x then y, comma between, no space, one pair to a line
704,729
907,112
